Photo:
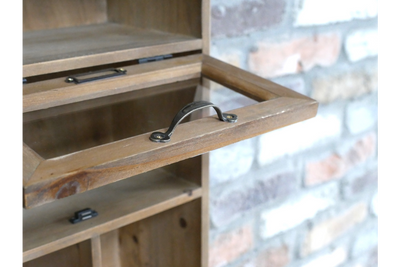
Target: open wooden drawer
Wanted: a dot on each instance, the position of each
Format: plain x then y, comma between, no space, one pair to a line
88,145
72,147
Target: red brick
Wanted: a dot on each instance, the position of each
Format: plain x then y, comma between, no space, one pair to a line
294,56
335,166
274,257
328,231
229,246
277,256
227,206
245,17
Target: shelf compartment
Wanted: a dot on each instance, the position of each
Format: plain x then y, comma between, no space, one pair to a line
56,50
77,255
170,238
105,156
47,229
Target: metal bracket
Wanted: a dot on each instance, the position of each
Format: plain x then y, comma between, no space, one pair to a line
185,111
156,58
83,215
92,76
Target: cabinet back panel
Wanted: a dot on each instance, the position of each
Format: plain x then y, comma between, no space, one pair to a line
171,238
45,14
131,114
174,16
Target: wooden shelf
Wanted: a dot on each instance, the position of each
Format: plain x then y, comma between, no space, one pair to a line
55,50
47,229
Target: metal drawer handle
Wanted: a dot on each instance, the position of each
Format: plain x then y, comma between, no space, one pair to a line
93,76
186,110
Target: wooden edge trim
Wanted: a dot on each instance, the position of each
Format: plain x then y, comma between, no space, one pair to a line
29,160
109,57
145,76
88,169
119,222
245,82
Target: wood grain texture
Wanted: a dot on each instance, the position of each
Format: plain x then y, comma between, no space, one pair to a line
47,229
76,255
170,238
96,251
55,50
56,92
98,166
110,249
45,14
206,26
244,82
173,16
30,161
52,133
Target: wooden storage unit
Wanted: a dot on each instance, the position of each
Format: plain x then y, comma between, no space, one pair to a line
87,145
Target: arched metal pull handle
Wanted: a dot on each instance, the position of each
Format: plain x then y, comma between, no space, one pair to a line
186,110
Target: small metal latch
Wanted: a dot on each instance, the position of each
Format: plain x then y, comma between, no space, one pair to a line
156,58
83,215
188,191
95,75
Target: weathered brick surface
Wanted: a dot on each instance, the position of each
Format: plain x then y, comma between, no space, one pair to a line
272,59
362,44
336,165
236,159
316,12
328,51
333,259
230,246
361,183
230,205
295,211
328,231
245,16
344,86
272,257
361,115
298,137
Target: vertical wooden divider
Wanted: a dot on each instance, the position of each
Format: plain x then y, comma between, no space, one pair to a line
96,251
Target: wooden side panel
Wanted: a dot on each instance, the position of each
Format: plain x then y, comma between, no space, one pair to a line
96,251
78,255
47,14
171,238
174,16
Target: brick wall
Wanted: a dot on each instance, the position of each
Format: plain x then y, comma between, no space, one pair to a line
304,195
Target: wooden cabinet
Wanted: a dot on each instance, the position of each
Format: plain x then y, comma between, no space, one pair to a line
87,144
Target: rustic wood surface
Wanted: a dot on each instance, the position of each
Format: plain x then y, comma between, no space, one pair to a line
170,238
96,251
54,133
111,162
44,14
56,92
76,255
30,161
47,229
56,50
173,16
